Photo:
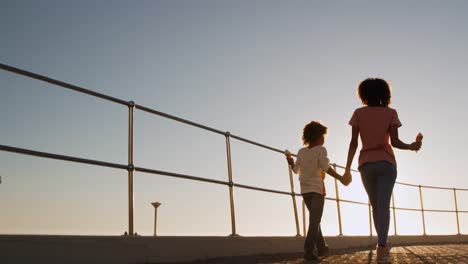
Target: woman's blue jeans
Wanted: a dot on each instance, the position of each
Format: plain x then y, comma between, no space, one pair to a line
378,179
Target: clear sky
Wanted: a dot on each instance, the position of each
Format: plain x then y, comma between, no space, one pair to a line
259,69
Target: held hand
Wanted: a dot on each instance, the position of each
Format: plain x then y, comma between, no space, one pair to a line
344,181
347,178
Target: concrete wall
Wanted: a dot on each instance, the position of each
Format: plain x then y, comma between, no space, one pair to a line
94,249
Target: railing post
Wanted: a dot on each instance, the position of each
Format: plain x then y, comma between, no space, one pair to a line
131,168
303,218
231,184
456,209
293,195
422,210
338,202
370,218
394,214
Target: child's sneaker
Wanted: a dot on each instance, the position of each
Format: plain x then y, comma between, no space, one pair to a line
324,252
383,254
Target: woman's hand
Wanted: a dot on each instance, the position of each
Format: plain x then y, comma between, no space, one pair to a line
290,160
415,146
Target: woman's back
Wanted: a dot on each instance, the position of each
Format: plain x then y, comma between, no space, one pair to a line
374,124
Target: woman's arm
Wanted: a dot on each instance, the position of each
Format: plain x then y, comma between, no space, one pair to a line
397,143
352,147
351,152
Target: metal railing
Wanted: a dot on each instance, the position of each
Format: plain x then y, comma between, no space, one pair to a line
131,168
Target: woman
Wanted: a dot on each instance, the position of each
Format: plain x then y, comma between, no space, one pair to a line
376,123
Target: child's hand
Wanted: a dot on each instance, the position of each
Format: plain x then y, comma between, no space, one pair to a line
289,158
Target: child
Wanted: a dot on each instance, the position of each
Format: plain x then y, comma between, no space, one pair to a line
311,162
377,124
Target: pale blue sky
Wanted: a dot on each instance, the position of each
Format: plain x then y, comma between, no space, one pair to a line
260,69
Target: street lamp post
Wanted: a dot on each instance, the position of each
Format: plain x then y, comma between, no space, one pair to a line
156,205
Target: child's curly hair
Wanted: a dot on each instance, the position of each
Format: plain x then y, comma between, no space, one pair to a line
375,92
312,132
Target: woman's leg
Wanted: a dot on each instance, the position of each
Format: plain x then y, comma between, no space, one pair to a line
314,203
378,179
368,177
385,184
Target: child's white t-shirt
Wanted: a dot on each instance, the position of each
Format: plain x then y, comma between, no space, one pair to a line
309,163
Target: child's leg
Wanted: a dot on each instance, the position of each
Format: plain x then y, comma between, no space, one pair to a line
320,243
314,203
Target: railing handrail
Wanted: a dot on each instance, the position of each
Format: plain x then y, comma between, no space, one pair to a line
130,167
62,157
61,84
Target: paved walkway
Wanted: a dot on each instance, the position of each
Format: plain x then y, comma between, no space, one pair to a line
451,253
409,254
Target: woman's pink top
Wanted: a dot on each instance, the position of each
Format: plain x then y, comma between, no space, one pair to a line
374,127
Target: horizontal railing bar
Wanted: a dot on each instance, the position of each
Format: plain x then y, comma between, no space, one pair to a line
406,209
61,157
353,202
178,175
425,210
62,84
257,144
407,184
430,187
439,211
274,149
341,167
262,189
152,111
435,187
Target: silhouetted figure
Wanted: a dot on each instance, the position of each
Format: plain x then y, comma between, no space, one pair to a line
377,123
312,162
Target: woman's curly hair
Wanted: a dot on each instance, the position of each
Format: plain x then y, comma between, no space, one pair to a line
375,92
312,132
